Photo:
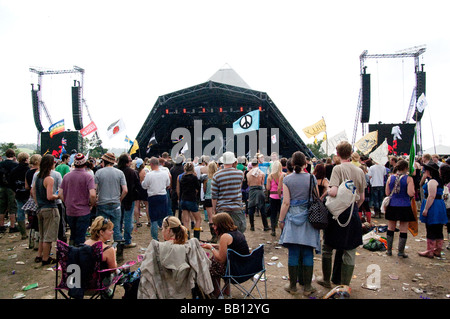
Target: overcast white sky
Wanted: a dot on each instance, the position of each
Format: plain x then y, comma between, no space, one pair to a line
305,55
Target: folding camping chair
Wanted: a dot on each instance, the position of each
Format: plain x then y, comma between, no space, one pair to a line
241,268
81,273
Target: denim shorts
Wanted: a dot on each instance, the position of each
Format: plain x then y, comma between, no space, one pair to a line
188,205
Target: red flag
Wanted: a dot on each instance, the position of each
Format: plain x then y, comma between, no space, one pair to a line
90,128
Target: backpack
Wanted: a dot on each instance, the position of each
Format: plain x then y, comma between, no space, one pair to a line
4,174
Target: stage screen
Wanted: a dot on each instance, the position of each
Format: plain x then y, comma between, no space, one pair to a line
405,133
70,140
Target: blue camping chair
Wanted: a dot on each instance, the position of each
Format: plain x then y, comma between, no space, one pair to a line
241,268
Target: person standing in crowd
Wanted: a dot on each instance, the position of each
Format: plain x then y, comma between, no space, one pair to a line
141,194
189,188
444,172
401,187
30,206
242,166
22,194
62,167
77,191
355,159
226,192
156,183
346,238
175,171
48,214
127,206
298,235
212,169
436,159
111,188
275,192
256,196
7,196
433,212
322,181
377,173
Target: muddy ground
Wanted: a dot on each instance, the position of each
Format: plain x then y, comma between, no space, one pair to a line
411,278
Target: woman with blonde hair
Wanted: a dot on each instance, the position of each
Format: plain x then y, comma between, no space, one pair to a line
102,229
212,169
275,191
174,231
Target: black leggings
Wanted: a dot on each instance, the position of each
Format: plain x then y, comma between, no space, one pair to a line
435,231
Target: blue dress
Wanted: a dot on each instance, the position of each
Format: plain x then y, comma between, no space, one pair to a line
437,213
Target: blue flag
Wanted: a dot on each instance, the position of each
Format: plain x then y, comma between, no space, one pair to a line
247,123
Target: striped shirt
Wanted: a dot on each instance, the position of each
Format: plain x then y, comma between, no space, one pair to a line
226,188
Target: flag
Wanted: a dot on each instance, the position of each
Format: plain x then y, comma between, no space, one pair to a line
177,140
56,128
412,154
247,123
88,129
274,139
421,103
315,129
152,141
128,140
333,142
380,155
134,148
115,128
367,142
63,151
185,148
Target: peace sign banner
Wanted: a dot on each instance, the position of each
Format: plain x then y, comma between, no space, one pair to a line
246,123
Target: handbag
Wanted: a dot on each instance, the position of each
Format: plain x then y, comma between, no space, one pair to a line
386,201
318,212
445,197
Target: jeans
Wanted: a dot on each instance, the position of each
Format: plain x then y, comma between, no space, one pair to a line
20,217
113,213
377,197
78,227
298,252
128,224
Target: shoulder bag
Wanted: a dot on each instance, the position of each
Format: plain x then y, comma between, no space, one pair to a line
318,212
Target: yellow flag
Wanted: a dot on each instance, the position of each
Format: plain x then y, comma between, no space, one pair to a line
367,142
134,148
315,129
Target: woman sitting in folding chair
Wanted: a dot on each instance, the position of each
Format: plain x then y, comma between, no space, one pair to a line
229,238
102,229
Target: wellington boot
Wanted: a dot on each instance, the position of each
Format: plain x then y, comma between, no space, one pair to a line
401,247
438,247
308,289
291,287
390,241
346,274
22,229
326,272
430,248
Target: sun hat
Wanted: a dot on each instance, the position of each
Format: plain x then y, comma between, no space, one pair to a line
79,159
228,158
431,166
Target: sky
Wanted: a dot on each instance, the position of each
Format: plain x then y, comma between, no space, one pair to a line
303,54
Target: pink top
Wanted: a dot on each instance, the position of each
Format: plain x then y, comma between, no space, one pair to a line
274,189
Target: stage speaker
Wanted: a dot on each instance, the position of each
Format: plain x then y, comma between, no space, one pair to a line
77,110
70,140
36,112
420,88
365,99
